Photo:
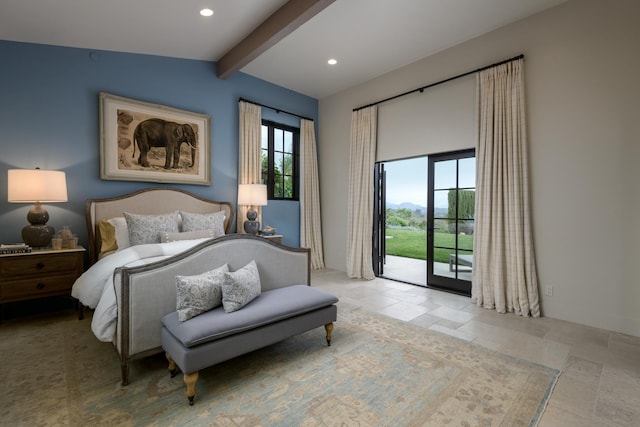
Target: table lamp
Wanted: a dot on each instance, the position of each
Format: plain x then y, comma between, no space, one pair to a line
252,195
36,186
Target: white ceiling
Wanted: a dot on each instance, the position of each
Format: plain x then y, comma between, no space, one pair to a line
368,37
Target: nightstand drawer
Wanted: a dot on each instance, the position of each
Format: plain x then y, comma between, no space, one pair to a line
38,265
36,287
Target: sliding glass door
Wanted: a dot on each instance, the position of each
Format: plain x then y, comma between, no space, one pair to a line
400,219
379,220
450,221
424,220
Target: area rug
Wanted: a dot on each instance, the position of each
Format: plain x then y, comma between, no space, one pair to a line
377,372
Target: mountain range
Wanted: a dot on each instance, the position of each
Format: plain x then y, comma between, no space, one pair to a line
438,212
407,205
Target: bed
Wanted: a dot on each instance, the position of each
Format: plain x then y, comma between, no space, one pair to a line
185,223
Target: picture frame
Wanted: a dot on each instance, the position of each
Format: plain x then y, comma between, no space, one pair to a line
141,141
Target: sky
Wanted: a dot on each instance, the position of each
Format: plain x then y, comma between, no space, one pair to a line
407,180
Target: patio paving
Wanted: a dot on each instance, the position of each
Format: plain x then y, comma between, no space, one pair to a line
412,270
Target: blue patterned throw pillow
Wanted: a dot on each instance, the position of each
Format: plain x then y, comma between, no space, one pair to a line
147,228
240,287
196,222
197,294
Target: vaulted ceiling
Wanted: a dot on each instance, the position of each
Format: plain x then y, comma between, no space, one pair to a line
286,43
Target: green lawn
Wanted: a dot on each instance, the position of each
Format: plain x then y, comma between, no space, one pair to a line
412,244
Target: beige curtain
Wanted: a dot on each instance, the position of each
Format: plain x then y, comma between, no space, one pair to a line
362,158
504,270
310,224
249,155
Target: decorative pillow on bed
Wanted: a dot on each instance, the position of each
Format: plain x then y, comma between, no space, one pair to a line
108,241
240,287
197,294
114,235
195,221
165,236
147,228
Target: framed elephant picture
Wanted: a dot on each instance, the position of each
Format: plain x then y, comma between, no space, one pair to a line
140,141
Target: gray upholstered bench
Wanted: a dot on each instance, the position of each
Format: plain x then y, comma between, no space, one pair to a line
216,336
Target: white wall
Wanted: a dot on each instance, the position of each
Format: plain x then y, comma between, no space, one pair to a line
583,86
421,123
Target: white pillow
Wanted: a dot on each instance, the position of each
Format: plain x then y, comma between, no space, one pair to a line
122,232
240,287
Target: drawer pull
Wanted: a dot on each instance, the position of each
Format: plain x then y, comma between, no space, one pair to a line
40,265
40,286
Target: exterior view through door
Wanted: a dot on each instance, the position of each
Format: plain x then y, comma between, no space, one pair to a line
424,220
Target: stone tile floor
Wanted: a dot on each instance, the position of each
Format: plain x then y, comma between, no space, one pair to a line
599,383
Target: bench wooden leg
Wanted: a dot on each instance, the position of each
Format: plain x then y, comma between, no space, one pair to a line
173,369
190,381
329,328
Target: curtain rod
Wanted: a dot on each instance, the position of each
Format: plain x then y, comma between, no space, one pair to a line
420,89
277,110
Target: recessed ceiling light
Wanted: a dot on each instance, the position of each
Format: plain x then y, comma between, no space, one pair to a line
332,61
206,12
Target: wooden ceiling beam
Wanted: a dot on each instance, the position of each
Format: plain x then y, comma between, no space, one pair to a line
280,24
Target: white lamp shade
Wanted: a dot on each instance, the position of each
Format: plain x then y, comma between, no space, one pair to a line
36,185
252,194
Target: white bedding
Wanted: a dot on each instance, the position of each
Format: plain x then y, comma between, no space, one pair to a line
95,288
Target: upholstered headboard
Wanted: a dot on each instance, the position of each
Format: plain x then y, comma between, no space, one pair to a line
149,201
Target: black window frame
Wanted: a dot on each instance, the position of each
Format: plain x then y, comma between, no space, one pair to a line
269,177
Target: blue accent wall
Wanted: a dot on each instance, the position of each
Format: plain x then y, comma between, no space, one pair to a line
49,118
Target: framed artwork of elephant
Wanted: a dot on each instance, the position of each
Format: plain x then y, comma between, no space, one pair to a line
140,141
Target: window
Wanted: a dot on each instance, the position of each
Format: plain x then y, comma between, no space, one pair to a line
280,168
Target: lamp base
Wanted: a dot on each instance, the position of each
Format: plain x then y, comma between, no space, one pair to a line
251,227
37,236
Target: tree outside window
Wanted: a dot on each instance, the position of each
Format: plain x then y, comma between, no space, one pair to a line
280,160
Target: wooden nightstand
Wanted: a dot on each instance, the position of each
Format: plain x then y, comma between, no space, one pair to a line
40,273
277,238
